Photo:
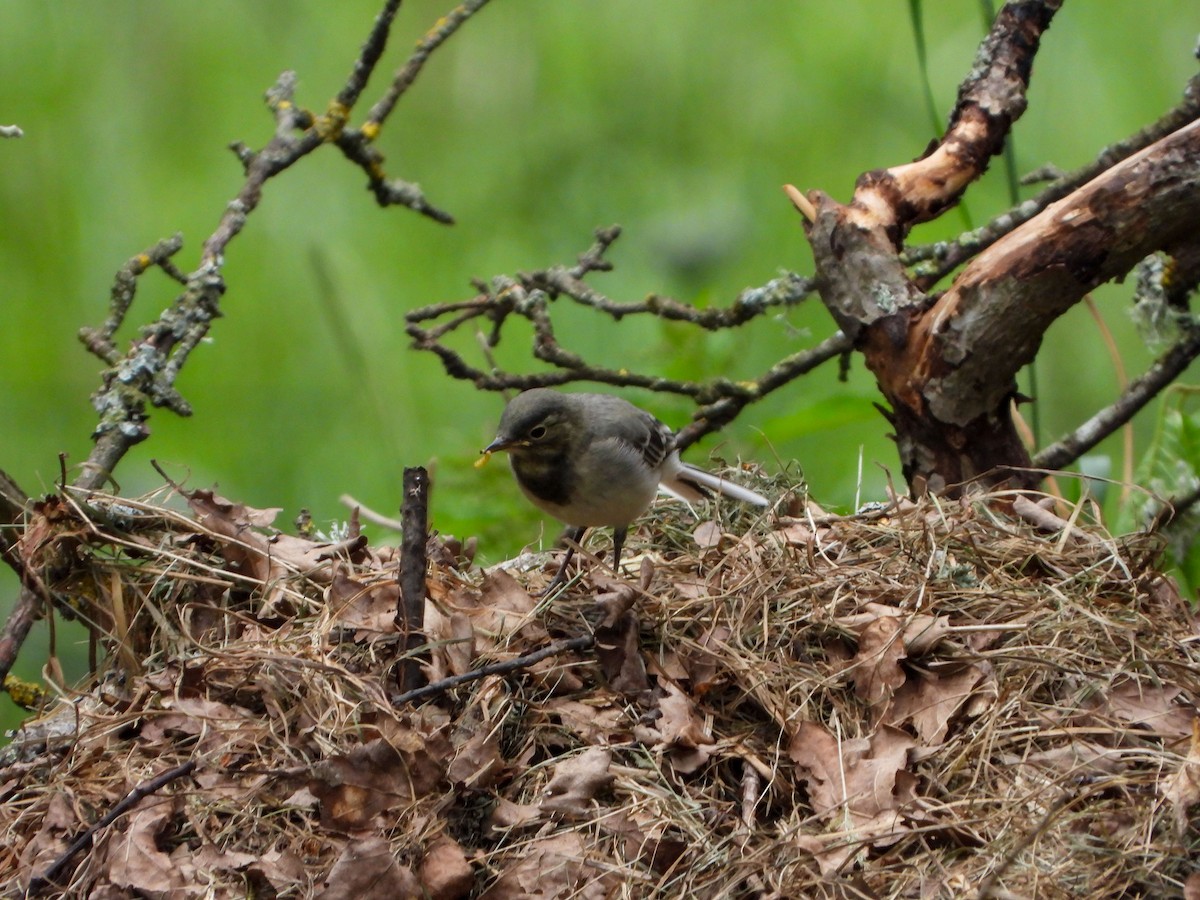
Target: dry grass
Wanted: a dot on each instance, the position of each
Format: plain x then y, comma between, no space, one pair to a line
938,702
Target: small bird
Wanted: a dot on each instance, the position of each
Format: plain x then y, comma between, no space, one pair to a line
597,460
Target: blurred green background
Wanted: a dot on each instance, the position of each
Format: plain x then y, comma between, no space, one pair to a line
540,121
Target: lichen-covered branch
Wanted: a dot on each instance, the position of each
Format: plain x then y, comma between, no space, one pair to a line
1136,395
530,295
358,143
146,374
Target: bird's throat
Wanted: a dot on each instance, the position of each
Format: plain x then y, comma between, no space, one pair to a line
545,476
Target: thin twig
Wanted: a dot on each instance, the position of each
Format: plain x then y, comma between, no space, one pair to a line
529,295
1139,392
145,789
582,642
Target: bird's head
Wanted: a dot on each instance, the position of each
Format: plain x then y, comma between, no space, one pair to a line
538,422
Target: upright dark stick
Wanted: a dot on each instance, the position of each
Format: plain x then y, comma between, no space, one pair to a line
414,518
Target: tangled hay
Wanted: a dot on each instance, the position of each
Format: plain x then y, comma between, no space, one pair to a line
938,700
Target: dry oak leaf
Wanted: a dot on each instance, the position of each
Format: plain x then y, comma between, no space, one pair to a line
445,873
875,669
618,651
553,868
681,730
376,777
647,839
930,700
576,782
499,608
367,868
707,535
1182,789
853,782
132,858
596,722
921,632
477,761
859,787
1153,707
703,663
370,609
453,642
58,823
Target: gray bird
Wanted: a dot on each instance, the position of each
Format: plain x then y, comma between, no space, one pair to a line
597,460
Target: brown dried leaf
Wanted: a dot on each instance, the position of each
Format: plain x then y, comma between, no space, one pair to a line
506,814
645,839
552,868
576,782
58,823
501,608
876,667
831,851
681,730
707,535
278,870
930,700
618,650
367,868
1147,705
374,778
703,664
794,534
445,873
246,549
858,779
921,633
1182,789
618,598
478,761
132,857
368,608
598,722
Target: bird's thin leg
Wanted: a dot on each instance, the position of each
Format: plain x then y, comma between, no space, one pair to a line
618,543
574,536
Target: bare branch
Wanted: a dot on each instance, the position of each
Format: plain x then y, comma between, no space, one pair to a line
434,38
506,667
529,295
1139,392
147,373
935,261
1010,294
357,144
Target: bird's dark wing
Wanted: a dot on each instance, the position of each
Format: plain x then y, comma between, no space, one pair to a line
644,434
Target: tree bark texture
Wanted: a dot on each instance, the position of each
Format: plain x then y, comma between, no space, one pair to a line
947,363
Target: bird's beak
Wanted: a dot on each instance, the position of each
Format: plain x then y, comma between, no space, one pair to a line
500,443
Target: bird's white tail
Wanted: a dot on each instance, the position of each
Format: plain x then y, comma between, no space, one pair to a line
693,484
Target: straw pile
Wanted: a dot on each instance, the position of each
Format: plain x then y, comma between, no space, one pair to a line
935,700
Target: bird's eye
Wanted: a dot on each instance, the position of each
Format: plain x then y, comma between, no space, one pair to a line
537,432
